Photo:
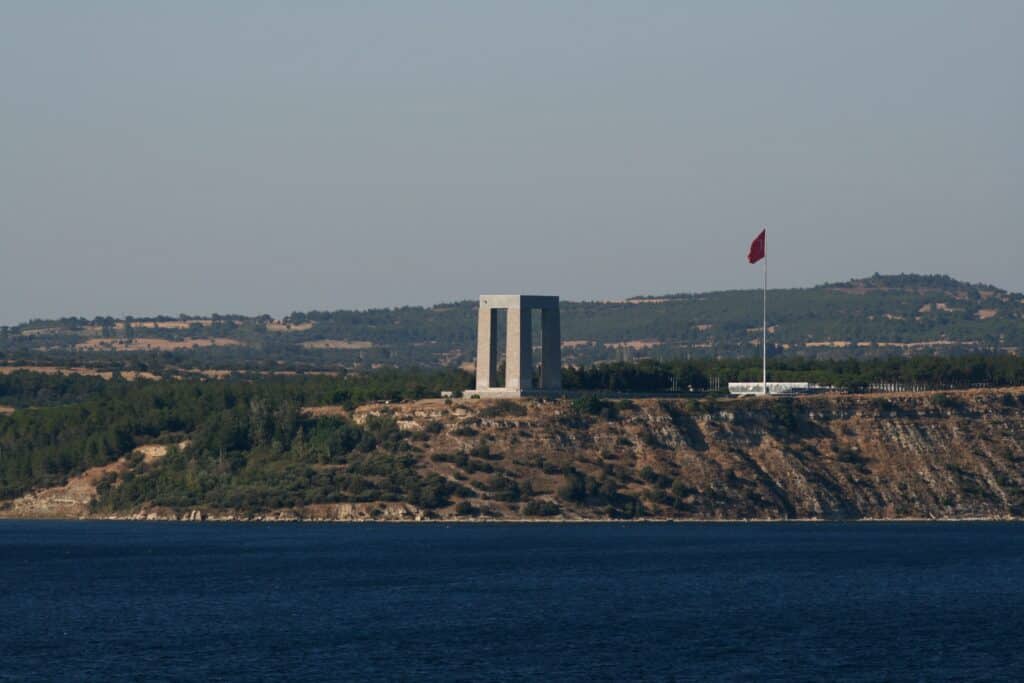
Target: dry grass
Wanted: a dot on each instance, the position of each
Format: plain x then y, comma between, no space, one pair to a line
39,331
129,375
172,324
278,326
153,344
72,499
343,344
924,344
894,345
153,452
647,301
326,411
635,344
828,344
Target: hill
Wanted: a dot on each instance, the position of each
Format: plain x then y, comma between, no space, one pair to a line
939,455
875,316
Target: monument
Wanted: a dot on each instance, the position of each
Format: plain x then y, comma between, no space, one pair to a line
518,346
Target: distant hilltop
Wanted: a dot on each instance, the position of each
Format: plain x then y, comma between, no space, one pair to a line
873,316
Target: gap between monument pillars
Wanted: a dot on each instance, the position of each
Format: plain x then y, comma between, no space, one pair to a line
486,347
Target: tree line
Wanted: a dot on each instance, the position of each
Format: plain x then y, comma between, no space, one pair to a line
855,375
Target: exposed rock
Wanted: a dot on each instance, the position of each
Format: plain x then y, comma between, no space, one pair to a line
948,455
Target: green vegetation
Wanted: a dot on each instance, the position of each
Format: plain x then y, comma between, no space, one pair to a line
249,440
868,318
23,389
939,372
249,446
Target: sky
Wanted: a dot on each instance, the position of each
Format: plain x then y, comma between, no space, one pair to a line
267,157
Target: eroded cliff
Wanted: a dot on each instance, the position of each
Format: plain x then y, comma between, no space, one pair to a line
948,455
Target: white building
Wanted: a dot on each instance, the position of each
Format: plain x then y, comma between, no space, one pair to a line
774,388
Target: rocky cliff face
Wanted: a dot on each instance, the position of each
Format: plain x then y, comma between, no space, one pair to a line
953,455
943,456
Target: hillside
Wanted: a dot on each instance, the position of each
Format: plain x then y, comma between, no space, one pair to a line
875,316
934,455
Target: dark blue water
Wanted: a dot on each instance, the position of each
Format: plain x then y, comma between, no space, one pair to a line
155,601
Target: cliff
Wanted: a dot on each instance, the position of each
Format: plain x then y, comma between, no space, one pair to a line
951,455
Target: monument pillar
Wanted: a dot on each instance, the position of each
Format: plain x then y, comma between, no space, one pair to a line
551,348
519,349
518,345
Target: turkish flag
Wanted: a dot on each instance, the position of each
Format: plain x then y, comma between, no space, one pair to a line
758,247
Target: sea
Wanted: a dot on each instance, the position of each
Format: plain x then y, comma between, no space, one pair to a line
164,601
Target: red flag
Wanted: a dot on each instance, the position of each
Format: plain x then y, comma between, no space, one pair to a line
758,247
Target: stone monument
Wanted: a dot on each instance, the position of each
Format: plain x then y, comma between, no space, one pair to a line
518,346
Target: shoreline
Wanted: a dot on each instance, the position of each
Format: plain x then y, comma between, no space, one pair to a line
185,519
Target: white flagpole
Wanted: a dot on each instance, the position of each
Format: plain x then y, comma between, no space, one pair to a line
764,321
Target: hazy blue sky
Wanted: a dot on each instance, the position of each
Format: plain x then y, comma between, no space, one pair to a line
269,157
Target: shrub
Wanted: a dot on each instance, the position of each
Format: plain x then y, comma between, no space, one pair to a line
948,402
504,488
483,451
541,508
505,407
465,508
593,405
574,488
648,474
650,438
680,489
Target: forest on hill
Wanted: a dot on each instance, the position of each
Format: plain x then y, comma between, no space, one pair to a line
251,444
367,445
866,318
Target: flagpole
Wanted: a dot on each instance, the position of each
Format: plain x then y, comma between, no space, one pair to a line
764,321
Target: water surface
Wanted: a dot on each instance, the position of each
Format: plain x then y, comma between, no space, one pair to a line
167,601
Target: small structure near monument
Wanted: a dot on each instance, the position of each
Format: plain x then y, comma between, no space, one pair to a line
775,388
518,346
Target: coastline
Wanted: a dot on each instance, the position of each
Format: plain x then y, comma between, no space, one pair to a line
189,518
913,458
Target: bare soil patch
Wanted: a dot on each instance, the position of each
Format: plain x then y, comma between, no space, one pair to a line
153,452
171,324
40,331
635,344
153,344
343,344
828,344
647,301
72,499
129,375
326,411
278,326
